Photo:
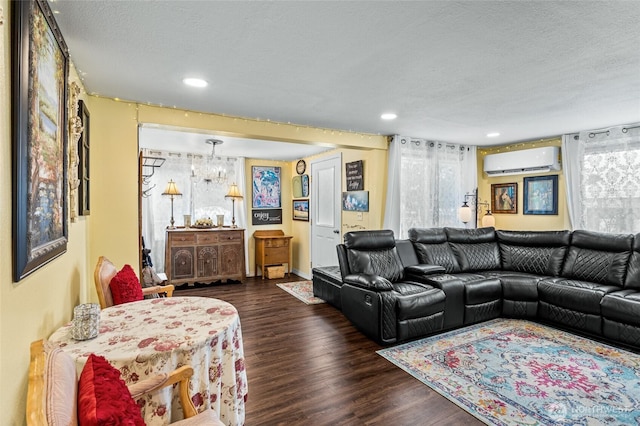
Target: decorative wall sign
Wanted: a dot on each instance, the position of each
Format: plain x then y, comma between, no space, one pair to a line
504,198
266,187
40,70
355,201
266,217
301,210
355,178
541,195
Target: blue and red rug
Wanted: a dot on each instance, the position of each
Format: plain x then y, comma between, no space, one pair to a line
513,372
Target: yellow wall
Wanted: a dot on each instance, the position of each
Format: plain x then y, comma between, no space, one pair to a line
43,301
39,304
521,221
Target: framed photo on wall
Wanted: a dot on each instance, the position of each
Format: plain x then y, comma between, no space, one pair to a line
504,198
541,195
301,210
40,63
355,201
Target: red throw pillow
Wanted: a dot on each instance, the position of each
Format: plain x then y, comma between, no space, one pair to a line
103,397
125,286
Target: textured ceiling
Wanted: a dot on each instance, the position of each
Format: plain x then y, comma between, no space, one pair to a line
451,70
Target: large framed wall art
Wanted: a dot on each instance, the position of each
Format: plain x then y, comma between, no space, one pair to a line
266,195
541,195
40,69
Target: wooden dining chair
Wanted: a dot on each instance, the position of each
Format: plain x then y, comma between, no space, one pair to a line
105,271
52,394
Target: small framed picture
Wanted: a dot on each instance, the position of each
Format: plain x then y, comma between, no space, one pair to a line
504,198
355,201
301,210
541,195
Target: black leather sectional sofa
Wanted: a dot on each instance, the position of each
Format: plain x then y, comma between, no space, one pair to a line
444,278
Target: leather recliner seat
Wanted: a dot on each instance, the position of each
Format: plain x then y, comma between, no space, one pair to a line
378,295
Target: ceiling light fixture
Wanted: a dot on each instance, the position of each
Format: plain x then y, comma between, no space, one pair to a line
389,116
195,82
493,135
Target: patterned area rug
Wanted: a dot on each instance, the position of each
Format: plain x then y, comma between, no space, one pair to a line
512,372
302,290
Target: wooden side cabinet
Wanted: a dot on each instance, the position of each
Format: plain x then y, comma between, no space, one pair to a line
204,255
272,248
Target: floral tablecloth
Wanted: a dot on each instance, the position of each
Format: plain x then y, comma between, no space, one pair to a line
152,336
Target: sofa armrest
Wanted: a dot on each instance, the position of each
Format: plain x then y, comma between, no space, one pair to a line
424,269
368,281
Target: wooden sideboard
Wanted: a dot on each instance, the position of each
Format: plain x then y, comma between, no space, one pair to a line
272,248
204,255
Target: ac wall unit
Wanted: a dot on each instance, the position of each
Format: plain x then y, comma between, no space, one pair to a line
535,160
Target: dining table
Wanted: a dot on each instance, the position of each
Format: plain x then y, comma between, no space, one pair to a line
152,336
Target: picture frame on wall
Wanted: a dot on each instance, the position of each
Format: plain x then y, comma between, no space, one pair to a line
40,72
301,210
266,187
541,195
355,201
84,177
504,198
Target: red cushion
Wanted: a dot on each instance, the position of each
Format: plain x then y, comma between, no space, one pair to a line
125,286
103,397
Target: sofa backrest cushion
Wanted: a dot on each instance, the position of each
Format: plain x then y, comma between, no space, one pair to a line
474,249
432,248
598,257
374,252
534,252
633,269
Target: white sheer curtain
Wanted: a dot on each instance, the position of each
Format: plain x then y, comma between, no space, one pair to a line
603,184
241,212
427,183
199,198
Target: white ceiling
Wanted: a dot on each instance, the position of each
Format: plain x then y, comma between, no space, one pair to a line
451,70
181,140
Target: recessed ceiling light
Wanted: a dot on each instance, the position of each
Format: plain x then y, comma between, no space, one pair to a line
389,116
493,135
195,82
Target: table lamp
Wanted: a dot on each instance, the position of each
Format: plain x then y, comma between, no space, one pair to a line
172,191
234,193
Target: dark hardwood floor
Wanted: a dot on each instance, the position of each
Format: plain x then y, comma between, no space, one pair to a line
307,365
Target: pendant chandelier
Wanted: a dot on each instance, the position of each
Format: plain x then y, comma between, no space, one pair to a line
216,174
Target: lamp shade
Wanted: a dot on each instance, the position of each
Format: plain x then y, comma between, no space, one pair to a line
234,192
171,189
464,213
488,220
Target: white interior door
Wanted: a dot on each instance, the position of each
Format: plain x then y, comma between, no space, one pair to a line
326,217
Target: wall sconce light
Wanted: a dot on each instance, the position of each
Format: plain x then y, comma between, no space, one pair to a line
466,213
234,194
172,191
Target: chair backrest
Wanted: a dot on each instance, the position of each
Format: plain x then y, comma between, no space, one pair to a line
53,387
105,271
372,252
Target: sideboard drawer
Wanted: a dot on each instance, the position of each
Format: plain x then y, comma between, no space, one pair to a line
180,238
229,236
207,237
